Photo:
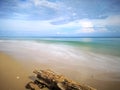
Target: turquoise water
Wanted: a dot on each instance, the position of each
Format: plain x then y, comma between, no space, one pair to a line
109,46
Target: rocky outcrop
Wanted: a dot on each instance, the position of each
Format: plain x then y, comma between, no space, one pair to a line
52,81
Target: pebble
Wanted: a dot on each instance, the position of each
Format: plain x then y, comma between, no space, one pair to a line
18,77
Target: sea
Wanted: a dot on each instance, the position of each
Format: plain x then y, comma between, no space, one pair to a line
99,45
109,46
104,46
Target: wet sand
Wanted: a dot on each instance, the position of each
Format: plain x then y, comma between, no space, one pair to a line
19,58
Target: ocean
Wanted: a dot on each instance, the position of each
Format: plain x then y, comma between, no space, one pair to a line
99,45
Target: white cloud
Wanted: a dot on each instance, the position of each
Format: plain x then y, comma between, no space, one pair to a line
79,26
23,25
46,26
85,30
78,23
88,30
75,27
113,20
24,5
46,3
102,29
61,18
74,14
86,23
20,16
36,2
61,33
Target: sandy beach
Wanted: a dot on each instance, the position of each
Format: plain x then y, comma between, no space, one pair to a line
19,59
13,76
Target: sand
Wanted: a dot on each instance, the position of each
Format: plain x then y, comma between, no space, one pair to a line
14,75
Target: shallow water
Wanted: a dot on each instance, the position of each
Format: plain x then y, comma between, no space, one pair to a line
100,45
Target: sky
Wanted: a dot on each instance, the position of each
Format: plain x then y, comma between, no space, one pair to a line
60,18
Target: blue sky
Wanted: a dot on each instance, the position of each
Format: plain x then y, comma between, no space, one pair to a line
59,17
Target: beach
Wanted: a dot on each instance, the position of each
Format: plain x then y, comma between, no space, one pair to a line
20,57
13,75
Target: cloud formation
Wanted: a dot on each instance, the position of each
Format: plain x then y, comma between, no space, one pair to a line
71,9
59,17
